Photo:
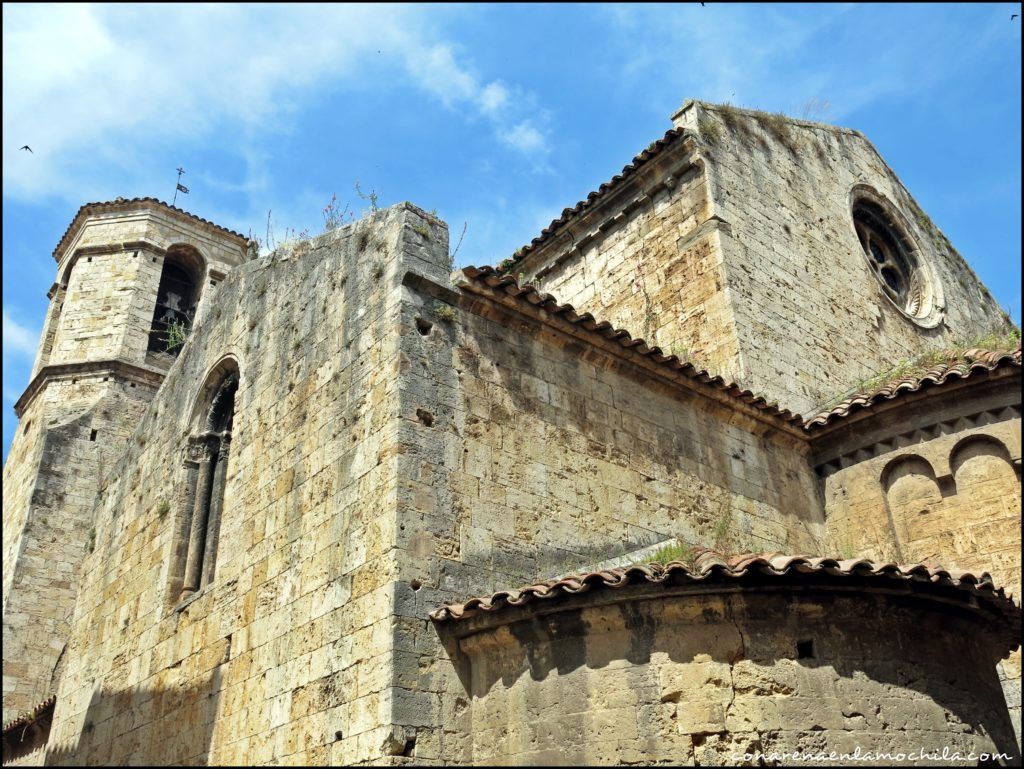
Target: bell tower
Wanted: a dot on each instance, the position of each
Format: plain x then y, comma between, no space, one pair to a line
133,276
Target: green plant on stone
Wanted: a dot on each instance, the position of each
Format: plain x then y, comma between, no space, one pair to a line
335,215
370,196
444,312
162,508
177,334
996,339
708,129
722,526
506,264
673,552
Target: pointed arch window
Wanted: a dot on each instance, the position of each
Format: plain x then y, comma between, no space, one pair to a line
206,464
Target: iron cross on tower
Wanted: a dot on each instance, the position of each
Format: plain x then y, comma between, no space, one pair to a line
180,187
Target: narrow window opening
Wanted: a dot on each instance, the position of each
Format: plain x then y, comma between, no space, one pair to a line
425,417
28,424
805,650
175,305
423,326
92,435
207,461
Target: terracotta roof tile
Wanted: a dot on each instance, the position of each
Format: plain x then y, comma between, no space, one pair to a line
710,567
528,294
26,718
113,205
962,366
652,150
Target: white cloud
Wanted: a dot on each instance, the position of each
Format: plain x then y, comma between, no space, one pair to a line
438,72
493,98
524,137
98,86
18,339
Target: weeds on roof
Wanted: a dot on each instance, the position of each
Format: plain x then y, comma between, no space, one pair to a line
708,128
917,366
775,124
677,551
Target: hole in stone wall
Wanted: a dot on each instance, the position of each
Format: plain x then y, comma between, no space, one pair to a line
338,735
410,746
92,435
415,584
423,326
28,424
425,417
805,650
89,259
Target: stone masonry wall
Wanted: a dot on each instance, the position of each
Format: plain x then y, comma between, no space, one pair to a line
812,318
705,679
108,277
530,453
953,499
655,271
76,415
285,657
69,435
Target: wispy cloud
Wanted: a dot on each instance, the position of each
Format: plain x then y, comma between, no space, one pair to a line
763,56
524,137
94,88
19,351
18,339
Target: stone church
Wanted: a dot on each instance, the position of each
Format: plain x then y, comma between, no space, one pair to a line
340,504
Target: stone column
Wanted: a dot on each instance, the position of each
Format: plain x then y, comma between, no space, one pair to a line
197,534
220,473
186,502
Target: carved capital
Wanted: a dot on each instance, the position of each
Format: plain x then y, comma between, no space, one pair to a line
198,450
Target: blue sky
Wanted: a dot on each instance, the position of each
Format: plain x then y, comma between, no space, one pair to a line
496,116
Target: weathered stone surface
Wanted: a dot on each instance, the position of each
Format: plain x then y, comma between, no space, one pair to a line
599,682
402,439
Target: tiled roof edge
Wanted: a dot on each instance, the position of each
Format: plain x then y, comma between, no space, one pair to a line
710,567
971,362
113,205
27,718
652,150
529,294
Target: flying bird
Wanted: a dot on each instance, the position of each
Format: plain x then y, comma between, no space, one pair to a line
26,147
1014,16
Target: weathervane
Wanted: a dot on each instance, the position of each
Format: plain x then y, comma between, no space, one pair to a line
181,187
